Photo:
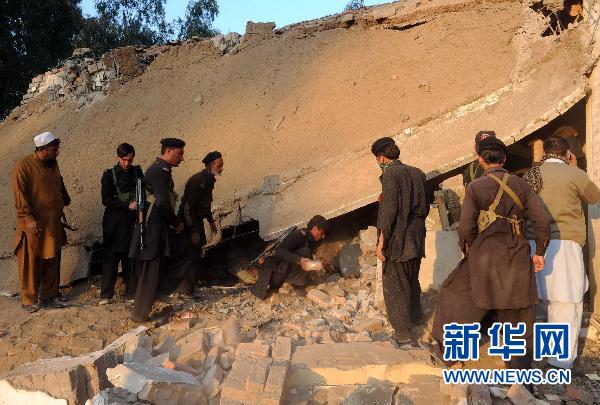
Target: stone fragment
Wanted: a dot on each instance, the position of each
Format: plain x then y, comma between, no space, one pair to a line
499,392
166,345
519,395
157,361
369,325
167,393
135,376
138,348
212,379
282,349
346,20
338,292
110,396
319,297
358,337
226,360
213,357
368,237
191,349
579,394
341,314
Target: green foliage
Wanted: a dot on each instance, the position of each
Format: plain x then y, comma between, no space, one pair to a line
355,5
199,16
34,36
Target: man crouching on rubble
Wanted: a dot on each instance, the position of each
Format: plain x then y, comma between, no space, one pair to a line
293,260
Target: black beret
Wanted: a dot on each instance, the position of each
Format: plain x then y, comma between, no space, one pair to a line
491,143
482,135
381,143
211,157
172,143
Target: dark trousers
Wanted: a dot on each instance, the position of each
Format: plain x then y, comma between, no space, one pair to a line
110,270
402,295
162,275
455,304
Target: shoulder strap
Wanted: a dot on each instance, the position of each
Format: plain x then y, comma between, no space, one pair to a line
473,170
504,187
114,176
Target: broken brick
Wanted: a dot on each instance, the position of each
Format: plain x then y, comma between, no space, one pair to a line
258,375
369,325
319,297
341,314
282,349
480,395
276,379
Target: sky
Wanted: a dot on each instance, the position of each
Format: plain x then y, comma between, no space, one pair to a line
233,14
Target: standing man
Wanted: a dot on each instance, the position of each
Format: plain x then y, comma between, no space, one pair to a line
39,203
562,283
292,263
497,271
118,198
196,206
474,170
401,226
165,258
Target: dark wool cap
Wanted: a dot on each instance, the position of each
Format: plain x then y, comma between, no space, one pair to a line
381,143
490,143
211,157
172,143
482,135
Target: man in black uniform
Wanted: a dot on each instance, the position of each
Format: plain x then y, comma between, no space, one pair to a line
401,225
118,196
166,258
291,264
195,207
474,170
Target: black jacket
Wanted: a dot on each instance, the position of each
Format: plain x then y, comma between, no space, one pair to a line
196,203
402,212
118,221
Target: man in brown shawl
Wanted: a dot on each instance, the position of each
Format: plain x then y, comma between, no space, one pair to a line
497,272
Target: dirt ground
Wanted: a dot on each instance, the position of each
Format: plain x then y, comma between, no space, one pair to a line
85,326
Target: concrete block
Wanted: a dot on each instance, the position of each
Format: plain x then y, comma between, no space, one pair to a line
368,237
354,363
165,393
138,348
227,359
191,349
519,395
254,349
75,379
213,357
212,379
369,325
134,376
255,381
282,349
319,297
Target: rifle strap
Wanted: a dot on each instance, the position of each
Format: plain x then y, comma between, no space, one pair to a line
504,187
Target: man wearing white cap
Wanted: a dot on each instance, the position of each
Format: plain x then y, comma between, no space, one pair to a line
39,203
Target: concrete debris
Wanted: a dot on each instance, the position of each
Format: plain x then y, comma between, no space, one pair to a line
369,325
134,376
319,297
499,392
579,394
75,379
115,395
138,349
13,396
231,332
480,394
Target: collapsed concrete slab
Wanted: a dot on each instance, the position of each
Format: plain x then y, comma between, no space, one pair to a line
355,363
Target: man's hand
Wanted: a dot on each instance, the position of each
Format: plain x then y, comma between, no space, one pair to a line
133,206
303,263
379,251
195,239
213,227
538,263
35,227
179,228
571,159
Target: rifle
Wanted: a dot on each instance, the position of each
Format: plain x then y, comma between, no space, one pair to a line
273,245
140,199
